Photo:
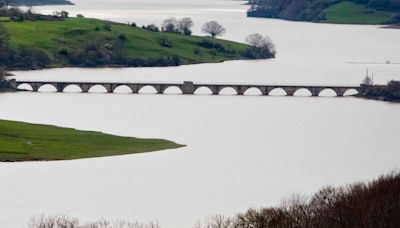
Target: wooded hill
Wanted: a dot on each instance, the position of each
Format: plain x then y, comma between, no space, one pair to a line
332,11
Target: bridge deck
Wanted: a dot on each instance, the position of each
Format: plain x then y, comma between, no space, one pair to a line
189,87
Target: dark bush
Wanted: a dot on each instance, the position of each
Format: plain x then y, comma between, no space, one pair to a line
197,51
2,73
152,27
63,51
122,37
107,27
210,44
165,42
33,57
394,20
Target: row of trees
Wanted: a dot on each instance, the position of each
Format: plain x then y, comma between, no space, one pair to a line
184,27
261,46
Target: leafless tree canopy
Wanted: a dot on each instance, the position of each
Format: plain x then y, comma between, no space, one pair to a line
185,25
217,221
182,26
66,222
213,28
262,44
169,25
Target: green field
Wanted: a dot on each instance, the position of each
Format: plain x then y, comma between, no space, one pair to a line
74,34
32,142
352,13
4,19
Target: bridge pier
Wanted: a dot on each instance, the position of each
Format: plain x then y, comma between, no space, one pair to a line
134,88
189,87
314,91
85,87
60,87
36,86
290,91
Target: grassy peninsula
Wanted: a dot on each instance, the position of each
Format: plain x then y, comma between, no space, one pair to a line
329,11
33,142
86,42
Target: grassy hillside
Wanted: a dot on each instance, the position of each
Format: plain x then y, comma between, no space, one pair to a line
76,41
352,13
31,142
332,11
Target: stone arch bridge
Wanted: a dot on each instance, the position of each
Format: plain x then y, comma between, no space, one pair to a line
189,87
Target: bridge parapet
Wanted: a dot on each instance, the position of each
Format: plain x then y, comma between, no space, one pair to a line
189,87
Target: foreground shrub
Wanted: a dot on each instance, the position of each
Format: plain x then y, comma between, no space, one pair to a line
66,222
372,205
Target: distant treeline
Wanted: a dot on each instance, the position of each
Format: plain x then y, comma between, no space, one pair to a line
367,205
390,92
35,2
310,10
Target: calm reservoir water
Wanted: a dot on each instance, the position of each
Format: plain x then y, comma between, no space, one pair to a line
242,152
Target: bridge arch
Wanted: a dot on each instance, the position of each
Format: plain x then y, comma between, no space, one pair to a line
278,92
97,88
47,88
350,92
302,92
172,90
122,89
327,92
203,90
228,90
25,87
147,89
72,88
253,91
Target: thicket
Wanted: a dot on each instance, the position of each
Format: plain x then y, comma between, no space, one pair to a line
390,92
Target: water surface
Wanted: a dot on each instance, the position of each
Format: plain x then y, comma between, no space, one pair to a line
242,152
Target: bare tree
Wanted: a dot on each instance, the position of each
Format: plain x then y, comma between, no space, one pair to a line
29,5
2,73
169,25
213,28
66,222
263,45
53,222
185,25
216,221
